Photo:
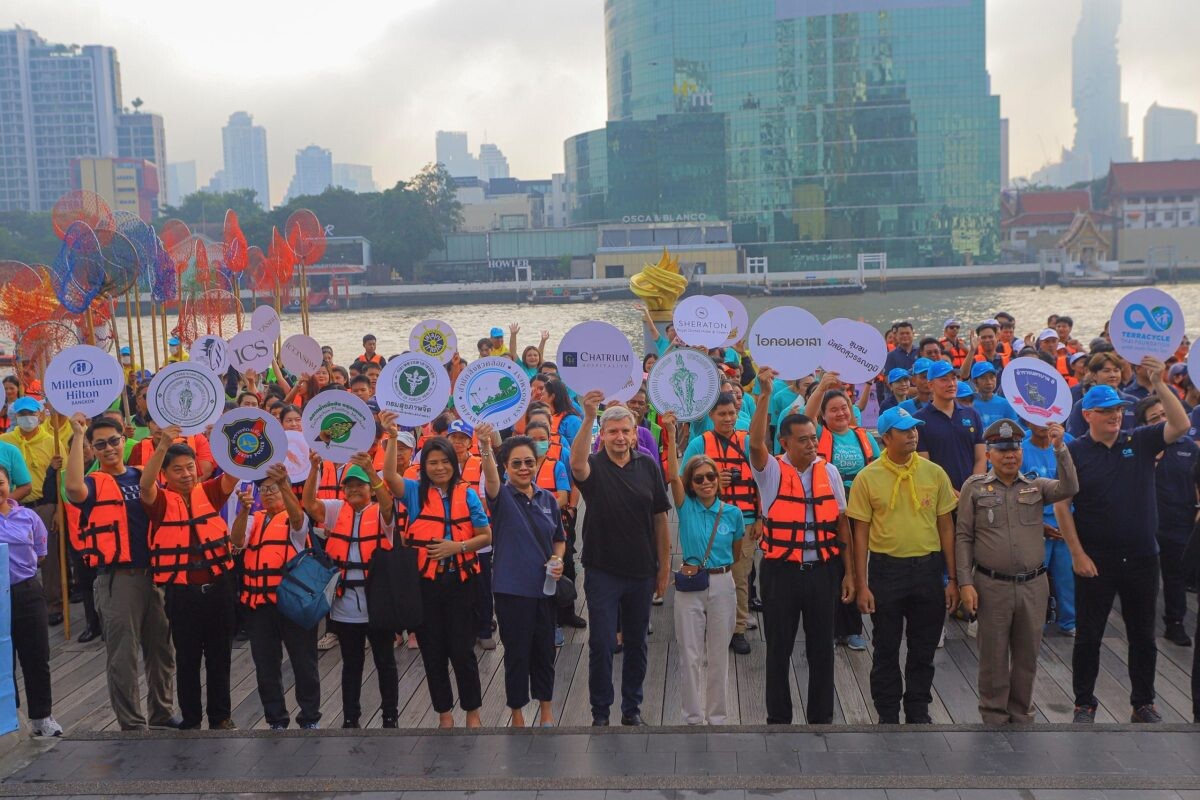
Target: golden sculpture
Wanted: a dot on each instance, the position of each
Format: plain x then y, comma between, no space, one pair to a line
660,286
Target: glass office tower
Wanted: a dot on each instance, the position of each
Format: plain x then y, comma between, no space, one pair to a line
821,128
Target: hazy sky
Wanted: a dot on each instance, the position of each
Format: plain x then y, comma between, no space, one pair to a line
372,80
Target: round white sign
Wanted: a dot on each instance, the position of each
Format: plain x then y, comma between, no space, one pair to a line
702,321
738,317
301,354
1193,360
186,394
250,350
246,441
338,425
296,459
684,382
1147,322
636,378
1037,391
788,339
265,321
854,350
210,351
415,387
492,390
83,379
595,355
433,338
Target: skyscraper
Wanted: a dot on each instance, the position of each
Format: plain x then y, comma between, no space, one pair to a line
492,163
1169,133
57,102
181,181
452,153
245,146
355,177
1101,119
141,136
314,172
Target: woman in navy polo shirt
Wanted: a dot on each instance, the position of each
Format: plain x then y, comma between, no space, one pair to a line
528,543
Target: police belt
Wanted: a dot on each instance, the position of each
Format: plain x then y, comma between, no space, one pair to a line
1024,577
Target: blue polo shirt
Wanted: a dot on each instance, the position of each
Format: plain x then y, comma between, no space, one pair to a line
1039,462
900,358
1195,418
912,405
12,460
950,440
1116,510
994,409
524,530
1175,480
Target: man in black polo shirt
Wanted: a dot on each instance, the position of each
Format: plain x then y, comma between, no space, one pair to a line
626,552
952,436
1113,541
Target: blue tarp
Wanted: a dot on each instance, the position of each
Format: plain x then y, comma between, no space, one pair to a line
8,691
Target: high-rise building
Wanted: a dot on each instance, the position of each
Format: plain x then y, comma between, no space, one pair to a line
126,184
1168,134
181,181
492,163
245,146
355,177
823,129
216,184
141,136
1004,181
314,172
1101,119
57,102
452,153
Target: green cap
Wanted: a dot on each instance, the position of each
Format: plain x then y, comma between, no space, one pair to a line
356,472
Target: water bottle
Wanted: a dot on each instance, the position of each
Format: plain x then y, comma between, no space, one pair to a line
549,587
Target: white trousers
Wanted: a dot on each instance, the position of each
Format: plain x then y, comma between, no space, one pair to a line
703,626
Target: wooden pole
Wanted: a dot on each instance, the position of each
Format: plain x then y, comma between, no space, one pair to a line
166,349
304,298
237,294
60,515
153,330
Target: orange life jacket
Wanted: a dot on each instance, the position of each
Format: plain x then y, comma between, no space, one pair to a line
172,553
958,353
413,472
730,456
430,526
545,474
329,484
375,359
1003,355
786,521
368,532
102,537
1064,369
472,470
825,444
268,548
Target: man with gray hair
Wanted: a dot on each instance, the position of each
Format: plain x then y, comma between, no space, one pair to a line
626,552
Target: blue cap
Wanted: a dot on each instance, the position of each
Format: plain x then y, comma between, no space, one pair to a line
898,374
921,365
964,390
1103,397
982,368
125,351
174,340
26,404
938,369
459,426
896,417
496,332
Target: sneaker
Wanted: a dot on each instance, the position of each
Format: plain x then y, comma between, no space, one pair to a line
1176,634
327,642
489,643
349,723
756,604
391,722
751,624
279,726
560,638
1146,714
1084,715
46,726
1068,632
310,726
942,638
223,725
412,642
973,628
739,645
577,621
172,724
242,635
856,641
657,600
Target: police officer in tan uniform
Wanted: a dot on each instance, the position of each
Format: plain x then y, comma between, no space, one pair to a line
999,551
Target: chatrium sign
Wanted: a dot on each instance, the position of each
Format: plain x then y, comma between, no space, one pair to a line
788,339
83,379
415,387
595,355
492,390
1147,322
1038,393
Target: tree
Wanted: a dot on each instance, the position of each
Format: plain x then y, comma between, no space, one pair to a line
28,237
205,212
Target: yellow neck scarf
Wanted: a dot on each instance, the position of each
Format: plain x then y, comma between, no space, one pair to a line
903,472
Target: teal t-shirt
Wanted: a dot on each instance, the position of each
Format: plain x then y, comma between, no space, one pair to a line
696,525
848,454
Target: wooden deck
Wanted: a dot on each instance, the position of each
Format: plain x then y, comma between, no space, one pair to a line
81,696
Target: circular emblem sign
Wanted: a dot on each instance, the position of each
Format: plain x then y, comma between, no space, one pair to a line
854,350
338,426
264,320
684,382
702,321
1147,322
433,338
212,352
1193,359
301,354
186,394
415,387
250,350
595,355
83,379
1037,391
492,390
738,318
246,441
788,339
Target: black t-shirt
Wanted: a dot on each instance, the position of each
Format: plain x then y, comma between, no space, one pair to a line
1116,510
618,524
139,522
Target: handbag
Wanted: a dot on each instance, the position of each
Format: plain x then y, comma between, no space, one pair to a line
394,590
305,593
565,592
694,577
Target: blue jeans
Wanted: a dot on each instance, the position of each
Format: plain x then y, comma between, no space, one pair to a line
1058,564
608,594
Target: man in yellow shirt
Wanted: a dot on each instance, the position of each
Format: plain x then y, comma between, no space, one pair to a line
900,506
176,352
34,438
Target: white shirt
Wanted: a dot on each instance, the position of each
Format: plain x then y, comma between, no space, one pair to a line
768,481
352,605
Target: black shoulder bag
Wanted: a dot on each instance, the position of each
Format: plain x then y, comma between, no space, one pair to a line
694,577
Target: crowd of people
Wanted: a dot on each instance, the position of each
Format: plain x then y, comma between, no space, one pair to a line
811,501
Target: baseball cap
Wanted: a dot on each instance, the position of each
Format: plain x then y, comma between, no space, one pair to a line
994,324
951,323
1047,333
26,404
1071,359
938,369
921,365
405,438
1177,369
982,368
355,472
496,332
1102,397
898,374
964,390
125,350
458,426
896,417
174,340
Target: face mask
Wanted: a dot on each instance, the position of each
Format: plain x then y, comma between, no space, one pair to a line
27,424
175,350
125,360
541,448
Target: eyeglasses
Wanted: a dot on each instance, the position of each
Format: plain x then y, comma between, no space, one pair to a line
705,477
104,444
518,463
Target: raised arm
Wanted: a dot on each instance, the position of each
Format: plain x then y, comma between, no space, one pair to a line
237,533
667,422
153,465
812,407
542,345
1177,419
312,506
391,476
513,330
582,446
278,473
488,441
760,446
76,487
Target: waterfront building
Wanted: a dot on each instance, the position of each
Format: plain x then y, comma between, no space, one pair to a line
126,184
314,173
1035,221
1157,208
245,149
141,136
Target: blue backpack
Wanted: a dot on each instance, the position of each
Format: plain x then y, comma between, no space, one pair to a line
305,592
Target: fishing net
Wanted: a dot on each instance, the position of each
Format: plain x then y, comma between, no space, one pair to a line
78,270
81,206
41,341
28,296
305,236
173,232
235,248
161,276
121,261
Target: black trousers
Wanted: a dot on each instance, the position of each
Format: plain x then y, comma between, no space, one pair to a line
85,577
527,631
1171,546
909,603
31,646
202,624
482,587
1135,581
847,619
792,592
352,639
565,614
270,633
447,637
